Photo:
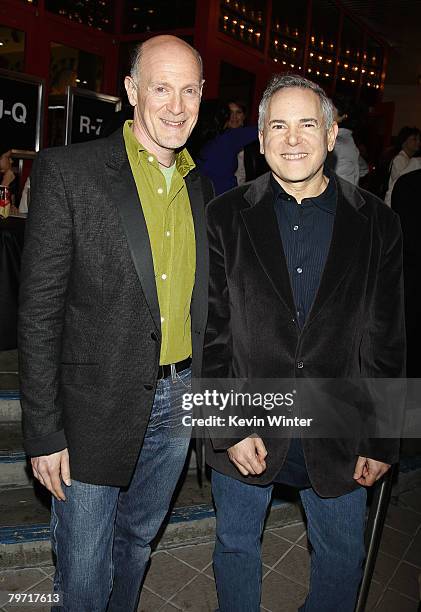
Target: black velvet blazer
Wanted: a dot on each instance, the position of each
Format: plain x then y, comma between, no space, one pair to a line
354,329
89,321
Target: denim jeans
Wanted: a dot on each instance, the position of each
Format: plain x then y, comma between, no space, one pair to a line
101,535
335,531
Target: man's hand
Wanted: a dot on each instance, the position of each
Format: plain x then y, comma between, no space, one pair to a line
368,471
248,456
49,468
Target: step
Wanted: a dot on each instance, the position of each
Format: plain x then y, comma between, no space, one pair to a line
14,466
25,534
10,409
24,520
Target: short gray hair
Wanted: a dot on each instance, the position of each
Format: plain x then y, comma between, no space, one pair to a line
137,58
288,81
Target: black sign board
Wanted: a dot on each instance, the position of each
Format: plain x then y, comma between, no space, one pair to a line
87,113
21,111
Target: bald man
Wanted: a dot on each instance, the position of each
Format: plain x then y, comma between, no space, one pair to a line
112,318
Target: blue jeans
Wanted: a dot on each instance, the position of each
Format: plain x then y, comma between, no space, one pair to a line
335,530
102,535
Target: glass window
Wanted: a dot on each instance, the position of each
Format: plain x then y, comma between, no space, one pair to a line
158,15
95,13
12,49
351,41
349,62
244,20
287,38
74,67
371,78
324,27
323,43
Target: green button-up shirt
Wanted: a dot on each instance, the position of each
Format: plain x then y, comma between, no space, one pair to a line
171,233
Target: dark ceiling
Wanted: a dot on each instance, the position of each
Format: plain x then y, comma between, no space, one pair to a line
390,18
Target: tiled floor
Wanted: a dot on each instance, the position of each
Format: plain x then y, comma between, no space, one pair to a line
182,579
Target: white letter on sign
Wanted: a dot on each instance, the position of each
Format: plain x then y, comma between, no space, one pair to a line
21,117
85,123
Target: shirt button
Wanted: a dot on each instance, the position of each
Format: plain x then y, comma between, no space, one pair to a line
160,190
299,270
168,233
295,228
300,364
162,319
163,276
150,158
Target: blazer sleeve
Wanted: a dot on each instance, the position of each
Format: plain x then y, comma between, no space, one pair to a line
217,355
217,348
45,274
383,349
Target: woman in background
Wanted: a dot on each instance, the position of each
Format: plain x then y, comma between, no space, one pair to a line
224,138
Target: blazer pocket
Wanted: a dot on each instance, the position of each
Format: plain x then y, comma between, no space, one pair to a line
79,373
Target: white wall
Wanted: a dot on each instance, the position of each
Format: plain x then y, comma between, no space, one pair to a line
407,99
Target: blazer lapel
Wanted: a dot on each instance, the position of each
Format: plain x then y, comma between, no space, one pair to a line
348,229
262,227
200,290
123,191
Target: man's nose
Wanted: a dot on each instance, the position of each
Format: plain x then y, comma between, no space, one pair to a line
175,105
293,136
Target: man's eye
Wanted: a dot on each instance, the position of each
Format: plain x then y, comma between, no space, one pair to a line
310,125
278,126
159,90
191,91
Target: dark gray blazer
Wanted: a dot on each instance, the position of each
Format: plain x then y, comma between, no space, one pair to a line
355,328
89,321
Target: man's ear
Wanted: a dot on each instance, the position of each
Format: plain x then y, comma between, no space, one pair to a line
331,136
131,90
262,147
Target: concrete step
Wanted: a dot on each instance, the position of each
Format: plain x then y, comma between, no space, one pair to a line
9,380
24,519
14,466
24,522
10,409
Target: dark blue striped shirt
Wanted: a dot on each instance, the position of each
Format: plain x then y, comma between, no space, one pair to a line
306,233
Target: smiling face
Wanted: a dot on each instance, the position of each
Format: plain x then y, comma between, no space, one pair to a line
294,139
166,96
237,116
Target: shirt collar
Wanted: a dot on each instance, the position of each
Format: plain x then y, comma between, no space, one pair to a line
325,201
183,160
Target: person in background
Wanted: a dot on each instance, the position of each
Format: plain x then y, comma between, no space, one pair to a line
25,197
406,202
409,143
251,163
6,171
345,159
218,156
237,115
237,118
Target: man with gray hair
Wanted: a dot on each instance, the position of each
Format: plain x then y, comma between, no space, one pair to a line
305,282
113,311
